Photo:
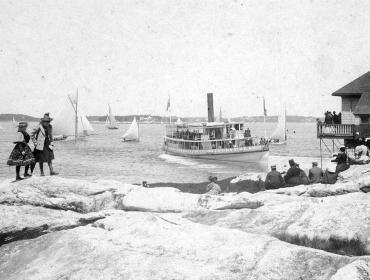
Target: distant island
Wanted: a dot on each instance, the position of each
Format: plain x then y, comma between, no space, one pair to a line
158,119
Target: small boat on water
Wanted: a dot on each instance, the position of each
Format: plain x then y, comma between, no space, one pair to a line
214,140
132,133
279,136
64,124
111,122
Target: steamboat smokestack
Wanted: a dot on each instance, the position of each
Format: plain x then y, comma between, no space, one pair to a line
211,113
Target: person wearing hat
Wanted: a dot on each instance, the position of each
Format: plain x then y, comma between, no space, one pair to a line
315,173
42,137
292,176
213,188
341,160
21,154
274,180
329,176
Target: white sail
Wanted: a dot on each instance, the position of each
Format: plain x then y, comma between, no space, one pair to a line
111,121
280,130
65,121
179,121
132,133
84,125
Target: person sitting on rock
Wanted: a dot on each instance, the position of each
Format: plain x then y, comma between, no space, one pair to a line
361,154
292,176
213,188
330,176
315,173
341,160
274,180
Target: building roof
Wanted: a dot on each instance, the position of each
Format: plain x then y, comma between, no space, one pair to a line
356,87
363,105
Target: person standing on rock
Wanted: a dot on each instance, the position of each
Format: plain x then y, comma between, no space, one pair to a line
315,173
22,154
213,188
42,137
274,180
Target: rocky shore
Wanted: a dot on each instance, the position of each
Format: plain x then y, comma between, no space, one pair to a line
57,228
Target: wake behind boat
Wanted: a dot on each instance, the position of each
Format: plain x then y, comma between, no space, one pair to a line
132,133
214,140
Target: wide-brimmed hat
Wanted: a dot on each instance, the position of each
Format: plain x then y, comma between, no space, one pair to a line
292,162
46,118
22,124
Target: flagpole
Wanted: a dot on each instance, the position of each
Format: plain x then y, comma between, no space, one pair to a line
76,117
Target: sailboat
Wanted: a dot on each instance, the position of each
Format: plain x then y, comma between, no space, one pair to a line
279,134
179,121
132,133
64,124
15,124
111,122
85,125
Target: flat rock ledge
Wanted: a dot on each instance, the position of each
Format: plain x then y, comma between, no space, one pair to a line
57,228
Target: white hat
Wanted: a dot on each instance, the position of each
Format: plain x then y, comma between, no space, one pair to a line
331,167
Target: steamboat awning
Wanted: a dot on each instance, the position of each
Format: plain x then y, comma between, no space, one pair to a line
356,87
363,105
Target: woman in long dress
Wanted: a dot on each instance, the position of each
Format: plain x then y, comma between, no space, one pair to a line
21,154
42,137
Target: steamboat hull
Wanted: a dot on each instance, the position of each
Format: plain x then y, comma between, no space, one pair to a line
236,155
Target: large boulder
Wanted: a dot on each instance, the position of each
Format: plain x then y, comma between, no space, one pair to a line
26,221
357,270
83,196
339,224
137,245
320,190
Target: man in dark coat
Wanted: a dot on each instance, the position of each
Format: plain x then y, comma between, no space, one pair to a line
274,180
341,160
293,174
315,173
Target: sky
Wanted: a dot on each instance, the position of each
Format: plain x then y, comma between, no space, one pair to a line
133,55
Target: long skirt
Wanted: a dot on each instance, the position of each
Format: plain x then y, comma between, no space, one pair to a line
18,159
46,155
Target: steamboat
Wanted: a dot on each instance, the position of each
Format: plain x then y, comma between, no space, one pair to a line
220,141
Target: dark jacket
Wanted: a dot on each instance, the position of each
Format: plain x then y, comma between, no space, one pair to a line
341,158
274,180
292,172
315,174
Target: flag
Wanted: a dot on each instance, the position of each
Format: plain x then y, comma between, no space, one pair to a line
264,108
73,97
168,104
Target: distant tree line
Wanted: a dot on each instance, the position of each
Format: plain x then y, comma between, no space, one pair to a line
156,119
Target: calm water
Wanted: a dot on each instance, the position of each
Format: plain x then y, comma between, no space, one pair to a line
103,155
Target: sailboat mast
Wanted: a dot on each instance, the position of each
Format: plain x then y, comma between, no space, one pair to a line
285,121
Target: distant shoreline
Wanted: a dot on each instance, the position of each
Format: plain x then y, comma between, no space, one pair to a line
160,119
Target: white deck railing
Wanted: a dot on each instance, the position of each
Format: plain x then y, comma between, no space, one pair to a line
334,130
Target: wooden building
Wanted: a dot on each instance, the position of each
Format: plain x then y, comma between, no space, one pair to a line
355,121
